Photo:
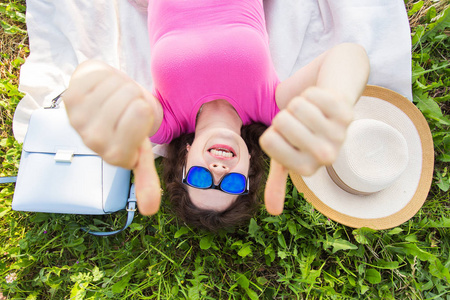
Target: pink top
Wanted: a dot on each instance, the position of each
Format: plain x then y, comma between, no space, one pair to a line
204,50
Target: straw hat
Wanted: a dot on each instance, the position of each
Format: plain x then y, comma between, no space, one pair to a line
384,170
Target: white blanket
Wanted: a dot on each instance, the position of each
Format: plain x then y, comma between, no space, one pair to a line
64,33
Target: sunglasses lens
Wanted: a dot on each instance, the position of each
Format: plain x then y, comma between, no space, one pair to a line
199,177
233,183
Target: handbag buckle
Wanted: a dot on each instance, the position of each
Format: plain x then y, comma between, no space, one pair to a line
131,206
64,156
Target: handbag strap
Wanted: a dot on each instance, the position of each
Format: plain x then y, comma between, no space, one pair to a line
131,209
55,101
10,179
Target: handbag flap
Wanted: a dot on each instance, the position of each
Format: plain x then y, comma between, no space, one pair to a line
49,131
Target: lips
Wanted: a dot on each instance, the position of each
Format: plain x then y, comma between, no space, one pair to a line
222,152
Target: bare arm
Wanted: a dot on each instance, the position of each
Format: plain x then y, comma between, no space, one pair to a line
344,69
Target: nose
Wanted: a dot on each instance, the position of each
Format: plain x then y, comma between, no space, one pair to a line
218,170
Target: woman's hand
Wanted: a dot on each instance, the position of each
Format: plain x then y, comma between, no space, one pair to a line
115,116
304,136
309,130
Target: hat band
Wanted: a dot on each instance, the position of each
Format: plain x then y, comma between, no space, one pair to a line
338,181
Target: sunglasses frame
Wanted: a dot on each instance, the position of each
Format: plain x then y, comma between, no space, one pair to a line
214,186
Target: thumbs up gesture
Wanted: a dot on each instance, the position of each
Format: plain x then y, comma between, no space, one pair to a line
304,136
115,116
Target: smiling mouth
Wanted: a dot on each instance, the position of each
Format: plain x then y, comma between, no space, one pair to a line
222,152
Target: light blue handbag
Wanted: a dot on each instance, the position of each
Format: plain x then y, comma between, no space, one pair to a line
59,174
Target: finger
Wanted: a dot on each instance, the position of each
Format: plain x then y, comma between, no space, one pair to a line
274,193
332,104
88,107
328,130
108,86
148,189
117,103
280,150
300,137
132,128
86,77
90,85
309,114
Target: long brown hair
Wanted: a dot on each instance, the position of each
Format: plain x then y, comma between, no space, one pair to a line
240,211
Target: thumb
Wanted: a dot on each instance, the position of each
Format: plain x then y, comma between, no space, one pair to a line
274,193
146,180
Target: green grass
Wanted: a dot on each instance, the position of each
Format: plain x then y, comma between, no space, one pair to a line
298,255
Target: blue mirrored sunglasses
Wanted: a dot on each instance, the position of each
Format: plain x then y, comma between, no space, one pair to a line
201,178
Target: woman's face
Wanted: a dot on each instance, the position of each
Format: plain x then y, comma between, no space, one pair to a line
221,151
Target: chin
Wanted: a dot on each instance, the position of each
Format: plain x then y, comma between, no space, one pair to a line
225,136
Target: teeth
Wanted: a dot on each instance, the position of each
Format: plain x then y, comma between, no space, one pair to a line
221,153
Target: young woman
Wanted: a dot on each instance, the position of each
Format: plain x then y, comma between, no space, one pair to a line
213,78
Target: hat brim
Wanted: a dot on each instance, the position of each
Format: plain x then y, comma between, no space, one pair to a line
397,203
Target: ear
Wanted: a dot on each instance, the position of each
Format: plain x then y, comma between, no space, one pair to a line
188,147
